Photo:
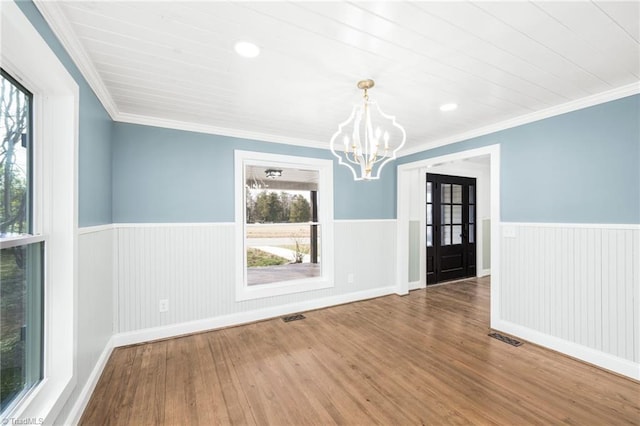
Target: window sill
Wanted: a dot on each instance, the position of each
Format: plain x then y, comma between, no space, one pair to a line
260,291
42,403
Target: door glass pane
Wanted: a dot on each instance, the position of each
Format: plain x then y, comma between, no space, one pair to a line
472,194
446,214
472,214
472,234
429,192
446,193
457,234
446,236
457,193
457,214
429,236
429,214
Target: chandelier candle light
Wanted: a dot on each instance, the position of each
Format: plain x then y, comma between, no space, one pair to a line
363,146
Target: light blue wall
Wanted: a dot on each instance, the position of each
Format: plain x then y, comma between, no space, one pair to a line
579,167
94,150
163,175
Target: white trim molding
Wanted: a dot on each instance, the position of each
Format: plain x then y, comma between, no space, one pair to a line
363,220
56,19
629,226
219,131
73,418
325,220
174,330
583,353
95,228
599,98
122,225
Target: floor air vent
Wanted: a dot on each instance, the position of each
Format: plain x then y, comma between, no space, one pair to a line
509,340
293,318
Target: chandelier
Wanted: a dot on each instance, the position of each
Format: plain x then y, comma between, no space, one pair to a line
368,139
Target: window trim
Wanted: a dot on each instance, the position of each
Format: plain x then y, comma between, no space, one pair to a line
325,220
55,165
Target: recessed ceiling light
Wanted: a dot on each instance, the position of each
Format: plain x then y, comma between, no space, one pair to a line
448,107
247,49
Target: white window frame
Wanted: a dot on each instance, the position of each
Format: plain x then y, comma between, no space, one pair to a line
55,137
325,220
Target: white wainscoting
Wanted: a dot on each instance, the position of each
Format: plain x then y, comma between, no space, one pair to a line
193,267
94,316
574,288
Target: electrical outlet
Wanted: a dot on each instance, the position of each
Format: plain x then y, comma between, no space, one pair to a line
164,305
350,278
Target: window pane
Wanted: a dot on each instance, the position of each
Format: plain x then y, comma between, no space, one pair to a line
282,252
457,234
457,214
472,194
445,217
472,234
429,192
429,236
446,236
15,113
265,206
21,267
429,214
457,193
446,193
472,214
283,228
21,318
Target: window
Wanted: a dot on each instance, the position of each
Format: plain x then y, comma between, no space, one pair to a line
53,181
21,252
284,215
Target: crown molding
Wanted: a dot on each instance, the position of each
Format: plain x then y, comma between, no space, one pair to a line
61,27
56,19
220,131
599,98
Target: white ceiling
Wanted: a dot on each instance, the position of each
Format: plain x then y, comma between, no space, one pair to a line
173,63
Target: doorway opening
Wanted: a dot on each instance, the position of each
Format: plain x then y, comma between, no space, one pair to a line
411,217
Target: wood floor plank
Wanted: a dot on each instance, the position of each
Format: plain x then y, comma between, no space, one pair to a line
150,385
180,407
424,358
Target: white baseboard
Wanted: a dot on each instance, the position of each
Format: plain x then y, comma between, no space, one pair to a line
583,353
417,285
484,273
173,330
73,418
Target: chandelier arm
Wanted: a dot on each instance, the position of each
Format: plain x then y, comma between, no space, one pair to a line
382,157
354,160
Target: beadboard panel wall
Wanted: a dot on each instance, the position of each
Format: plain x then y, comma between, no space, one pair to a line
577,283
192,266
94,315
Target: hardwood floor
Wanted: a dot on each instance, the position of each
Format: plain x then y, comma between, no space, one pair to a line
424,358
